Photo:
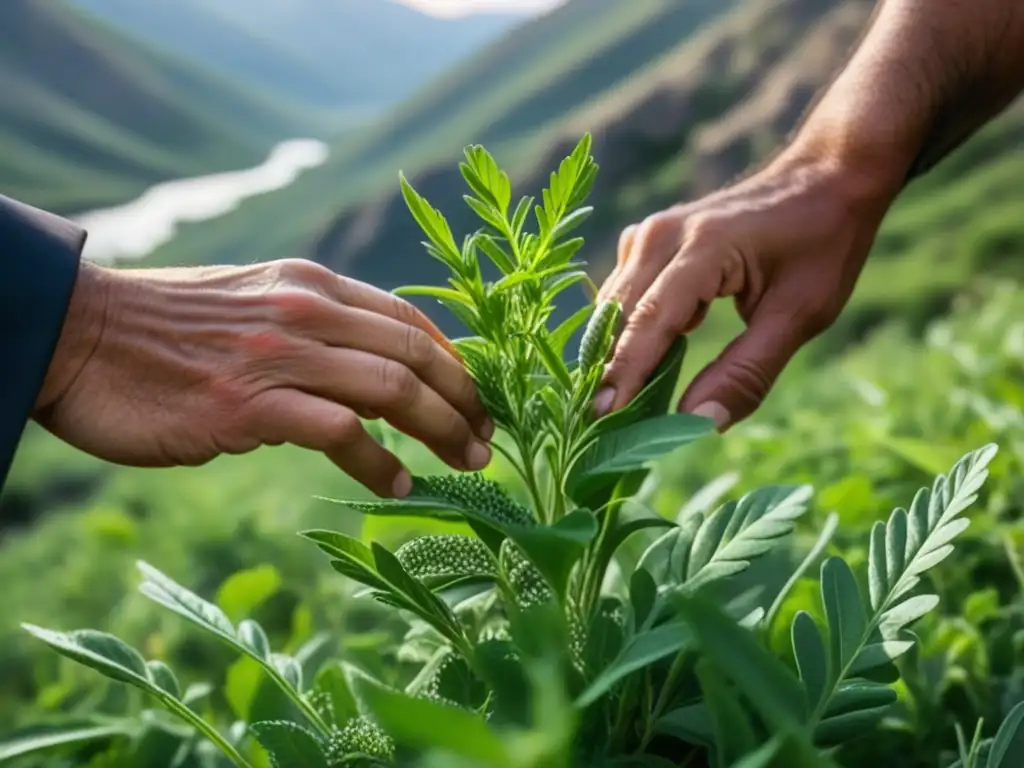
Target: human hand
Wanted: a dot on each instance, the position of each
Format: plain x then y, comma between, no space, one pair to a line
788,244
176,366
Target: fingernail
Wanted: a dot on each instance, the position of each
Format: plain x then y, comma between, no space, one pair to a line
487,430
478,455
402,486
714,411
603,401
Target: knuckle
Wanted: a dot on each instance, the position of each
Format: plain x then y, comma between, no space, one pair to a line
263,344
405,312
293,308
657,229
398,385
419,347
704,229
297,270
344,429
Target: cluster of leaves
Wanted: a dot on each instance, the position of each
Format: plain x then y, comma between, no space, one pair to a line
539,643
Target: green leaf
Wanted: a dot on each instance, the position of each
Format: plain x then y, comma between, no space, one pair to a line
642,594
252,635
245,591
656,396
493,250
470,496
332,682
734,735
422,725
631,447
561,335
742,530
432,223
168,593
785,750
827,531
639,652
809,650
19,746
847,620
437,560
553,362
354,559
668,557
554,549
163,677
447,294
103,652
691,724
770,687
1008,747
289,745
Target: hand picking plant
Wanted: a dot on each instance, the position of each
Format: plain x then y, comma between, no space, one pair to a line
537,643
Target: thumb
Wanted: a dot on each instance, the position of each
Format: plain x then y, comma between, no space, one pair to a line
735,384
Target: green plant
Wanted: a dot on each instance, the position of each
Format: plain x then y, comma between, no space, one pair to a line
538,642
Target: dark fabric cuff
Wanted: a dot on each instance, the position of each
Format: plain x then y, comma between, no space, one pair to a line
39,258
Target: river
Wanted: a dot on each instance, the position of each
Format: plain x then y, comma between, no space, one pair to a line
136,229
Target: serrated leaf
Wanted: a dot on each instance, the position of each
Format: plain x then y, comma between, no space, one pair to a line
874,655
667,558
289,745
432,223
640,651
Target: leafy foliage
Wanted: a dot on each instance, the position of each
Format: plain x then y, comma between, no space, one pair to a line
539,642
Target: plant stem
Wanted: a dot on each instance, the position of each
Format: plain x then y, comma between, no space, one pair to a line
304,706
204,728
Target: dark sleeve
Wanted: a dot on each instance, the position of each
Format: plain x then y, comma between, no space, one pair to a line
39,256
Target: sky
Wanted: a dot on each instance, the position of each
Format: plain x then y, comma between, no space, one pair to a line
452,8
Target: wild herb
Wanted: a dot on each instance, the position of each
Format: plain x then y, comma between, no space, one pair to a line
542,643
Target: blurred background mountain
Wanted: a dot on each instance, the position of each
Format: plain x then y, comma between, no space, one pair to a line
100,99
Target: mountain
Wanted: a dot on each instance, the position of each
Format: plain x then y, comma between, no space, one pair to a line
335,53
680,98
90,117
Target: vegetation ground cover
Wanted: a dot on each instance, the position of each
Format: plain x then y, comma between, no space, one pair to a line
962,665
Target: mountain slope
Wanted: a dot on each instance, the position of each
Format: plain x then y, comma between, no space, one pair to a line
504,96
338,53
690,111
90,117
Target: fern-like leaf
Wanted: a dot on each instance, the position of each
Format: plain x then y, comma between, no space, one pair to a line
706,549
867,634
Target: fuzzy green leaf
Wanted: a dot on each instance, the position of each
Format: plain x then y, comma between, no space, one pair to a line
847,620
439,559
447,294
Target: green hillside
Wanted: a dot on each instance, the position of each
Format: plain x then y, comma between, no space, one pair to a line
90,117
507,95
681,97
355,54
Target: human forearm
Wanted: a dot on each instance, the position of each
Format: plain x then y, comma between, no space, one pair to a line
925,77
